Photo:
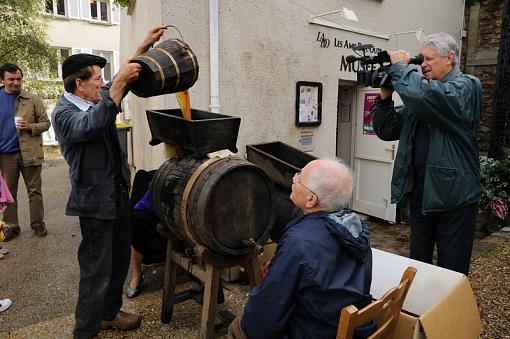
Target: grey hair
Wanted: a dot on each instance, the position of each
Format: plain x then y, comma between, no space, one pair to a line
332,183
443,43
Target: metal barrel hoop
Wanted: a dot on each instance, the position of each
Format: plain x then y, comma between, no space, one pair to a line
193,58
176,66
160,69
185,196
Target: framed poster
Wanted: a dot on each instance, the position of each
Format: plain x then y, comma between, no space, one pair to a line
369,102
308,103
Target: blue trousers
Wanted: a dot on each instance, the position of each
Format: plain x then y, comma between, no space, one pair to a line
451,231
103,256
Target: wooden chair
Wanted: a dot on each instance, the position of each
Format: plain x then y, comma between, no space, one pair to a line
384,312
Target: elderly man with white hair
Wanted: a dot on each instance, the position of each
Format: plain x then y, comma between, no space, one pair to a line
436,169
323,263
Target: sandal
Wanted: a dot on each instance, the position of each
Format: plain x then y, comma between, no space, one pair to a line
3,250
132,292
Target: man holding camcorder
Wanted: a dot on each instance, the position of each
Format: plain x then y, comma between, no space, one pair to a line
436,168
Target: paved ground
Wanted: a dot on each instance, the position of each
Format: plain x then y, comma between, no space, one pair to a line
41,275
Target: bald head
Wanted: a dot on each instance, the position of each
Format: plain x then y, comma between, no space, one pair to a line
331,181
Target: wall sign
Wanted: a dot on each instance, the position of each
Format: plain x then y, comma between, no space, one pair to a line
308,103
326,41
306,140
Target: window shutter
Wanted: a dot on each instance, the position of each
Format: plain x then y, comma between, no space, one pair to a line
115,14
73,7
85,9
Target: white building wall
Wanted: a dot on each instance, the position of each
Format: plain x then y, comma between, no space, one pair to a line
265,47
134,30
83,34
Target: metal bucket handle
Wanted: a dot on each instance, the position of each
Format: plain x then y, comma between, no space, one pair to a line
167,26
186,49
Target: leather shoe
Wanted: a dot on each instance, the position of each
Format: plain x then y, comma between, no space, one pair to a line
39,228
123,321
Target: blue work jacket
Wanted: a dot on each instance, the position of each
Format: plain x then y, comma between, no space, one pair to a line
323,263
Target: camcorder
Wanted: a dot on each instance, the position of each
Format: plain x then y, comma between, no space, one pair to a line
368,76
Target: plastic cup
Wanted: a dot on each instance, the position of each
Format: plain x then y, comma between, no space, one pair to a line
17,121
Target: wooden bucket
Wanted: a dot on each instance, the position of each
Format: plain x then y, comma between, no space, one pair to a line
169,67
216,202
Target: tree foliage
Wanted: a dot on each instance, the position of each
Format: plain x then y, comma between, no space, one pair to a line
122,3
24,39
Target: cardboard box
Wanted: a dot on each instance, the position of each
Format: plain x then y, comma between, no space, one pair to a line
233,273
440,303
267,255
229,274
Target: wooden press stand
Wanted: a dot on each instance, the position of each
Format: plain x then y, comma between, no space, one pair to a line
205,266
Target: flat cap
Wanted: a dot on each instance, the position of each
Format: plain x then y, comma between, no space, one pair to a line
78,61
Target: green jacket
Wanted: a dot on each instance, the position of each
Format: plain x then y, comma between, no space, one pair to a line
31,109
451,108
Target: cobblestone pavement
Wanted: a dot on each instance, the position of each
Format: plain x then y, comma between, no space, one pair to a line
40,275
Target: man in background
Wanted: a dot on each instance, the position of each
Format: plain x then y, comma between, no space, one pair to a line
23,119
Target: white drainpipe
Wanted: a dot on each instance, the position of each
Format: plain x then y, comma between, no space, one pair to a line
214,63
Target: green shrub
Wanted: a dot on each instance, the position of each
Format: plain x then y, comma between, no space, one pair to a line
494,184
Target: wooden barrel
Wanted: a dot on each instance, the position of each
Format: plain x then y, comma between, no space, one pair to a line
169,67
216,202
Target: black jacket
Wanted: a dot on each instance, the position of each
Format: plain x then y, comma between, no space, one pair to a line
88,141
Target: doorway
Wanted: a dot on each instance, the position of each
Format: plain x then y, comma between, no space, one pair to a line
344,131
370,158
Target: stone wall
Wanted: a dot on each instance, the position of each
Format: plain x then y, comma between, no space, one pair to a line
479,55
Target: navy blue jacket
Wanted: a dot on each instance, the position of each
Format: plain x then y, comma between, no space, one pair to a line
323,263
88,141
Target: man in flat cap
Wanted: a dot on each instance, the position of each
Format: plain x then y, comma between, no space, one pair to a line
84,123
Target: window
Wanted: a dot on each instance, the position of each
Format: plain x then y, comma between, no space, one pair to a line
56,7
53,70
99,10
56,68
108,68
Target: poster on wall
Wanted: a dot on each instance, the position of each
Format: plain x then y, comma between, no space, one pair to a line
308,103
368,129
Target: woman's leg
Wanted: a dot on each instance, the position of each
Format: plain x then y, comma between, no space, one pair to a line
136,268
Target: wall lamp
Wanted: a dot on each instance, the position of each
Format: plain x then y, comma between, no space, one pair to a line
344,12
419,33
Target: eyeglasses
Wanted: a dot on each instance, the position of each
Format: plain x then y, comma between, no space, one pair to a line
295,180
